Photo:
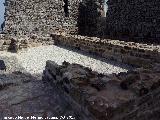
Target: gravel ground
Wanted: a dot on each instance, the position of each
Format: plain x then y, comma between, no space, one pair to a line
34,59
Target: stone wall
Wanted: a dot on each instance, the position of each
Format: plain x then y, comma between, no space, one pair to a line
46,16
5,42
125,96
91,17
126,20
137,19
17,43
41,16
125,52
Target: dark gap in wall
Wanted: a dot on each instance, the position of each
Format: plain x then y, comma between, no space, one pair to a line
66,10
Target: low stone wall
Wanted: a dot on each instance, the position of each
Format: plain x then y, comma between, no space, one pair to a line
14,43
126,52
126,96
7,43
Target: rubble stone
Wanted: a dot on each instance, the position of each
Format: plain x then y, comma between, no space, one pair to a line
107,101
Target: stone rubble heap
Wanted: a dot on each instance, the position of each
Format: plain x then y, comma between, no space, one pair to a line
115,97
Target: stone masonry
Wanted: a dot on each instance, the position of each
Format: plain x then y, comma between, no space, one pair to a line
30,22
91,13
41,17
126,96
47,16
126,20
126,52
135,19
16,43
92,96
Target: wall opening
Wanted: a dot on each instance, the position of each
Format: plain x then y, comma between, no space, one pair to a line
105,7
2,11
66,8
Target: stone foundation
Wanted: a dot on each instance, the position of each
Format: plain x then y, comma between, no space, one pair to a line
14,43
126,96
125,52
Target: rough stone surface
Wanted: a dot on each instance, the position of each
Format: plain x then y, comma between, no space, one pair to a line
138,20
23,94
26,96
91,18
40,16
88,85
125,52
133,21
47,16
102,97
14,43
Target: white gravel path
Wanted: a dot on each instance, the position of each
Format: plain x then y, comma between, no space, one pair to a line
34,60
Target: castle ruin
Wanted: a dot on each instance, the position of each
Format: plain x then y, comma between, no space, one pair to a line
82,25
40,16
45,17
125,20
135,19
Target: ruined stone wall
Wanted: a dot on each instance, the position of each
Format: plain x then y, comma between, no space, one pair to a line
91,17
146,108
137,19
17,43
41,16
128,20
125,52
5,42
125,96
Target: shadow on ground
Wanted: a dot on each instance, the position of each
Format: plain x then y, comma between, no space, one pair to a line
22,94
26,95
